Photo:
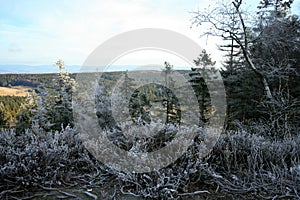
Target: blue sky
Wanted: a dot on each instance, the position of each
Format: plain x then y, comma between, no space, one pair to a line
37,32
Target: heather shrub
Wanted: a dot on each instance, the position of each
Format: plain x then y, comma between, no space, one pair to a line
42,158
239,164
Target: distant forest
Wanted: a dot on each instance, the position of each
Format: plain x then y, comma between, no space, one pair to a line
245,94
30,80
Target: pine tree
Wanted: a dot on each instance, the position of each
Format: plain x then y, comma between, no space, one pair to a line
51,107
29,109
62,113
170,101
234,60
139,107
3,121
198,83
103,107
235,75
127,87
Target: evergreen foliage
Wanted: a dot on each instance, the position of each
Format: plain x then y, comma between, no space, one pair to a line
198,76
51,106
10,107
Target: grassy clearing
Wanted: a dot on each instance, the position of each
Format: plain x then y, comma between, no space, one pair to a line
20,91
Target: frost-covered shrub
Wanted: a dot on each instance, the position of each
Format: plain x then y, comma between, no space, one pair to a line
42,158
257,163
242,150
240,164
266,128
183,177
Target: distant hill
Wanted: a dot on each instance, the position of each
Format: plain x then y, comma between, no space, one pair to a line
41,69
28,69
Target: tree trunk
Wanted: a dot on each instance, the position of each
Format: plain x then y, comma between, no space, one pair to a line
245,51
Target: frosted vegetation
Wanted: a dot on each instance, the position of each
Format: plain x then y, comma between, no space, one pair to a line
241,163
256,157
46,158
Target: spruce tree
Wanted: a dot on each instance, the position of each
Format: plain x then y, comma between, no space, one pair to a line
62,113
3,121
197,81
170,101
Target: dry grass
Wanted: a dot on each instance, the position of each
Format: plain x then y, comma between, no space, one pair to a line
21,91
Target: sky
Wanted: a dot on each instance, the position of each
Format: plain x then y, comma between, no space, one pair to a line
38,32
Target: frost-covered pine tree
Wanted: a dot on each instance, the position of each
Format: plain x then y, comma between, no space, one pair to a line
51,107
64,86
103,107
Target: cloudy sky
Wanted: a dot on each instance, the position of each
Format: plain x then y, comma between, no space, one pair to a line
37,32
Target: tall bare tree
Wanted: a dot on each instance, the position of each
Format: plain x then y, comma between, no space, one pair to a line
220,19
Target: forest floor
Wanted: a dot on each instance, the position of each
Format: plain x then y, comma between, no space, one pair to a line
109,191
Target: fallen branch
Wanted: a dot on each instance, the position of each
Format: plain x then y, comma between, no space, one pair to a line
90,195
194,193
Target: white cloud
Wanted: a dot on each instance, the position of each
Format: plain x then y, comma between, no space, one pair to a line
73,29
15,48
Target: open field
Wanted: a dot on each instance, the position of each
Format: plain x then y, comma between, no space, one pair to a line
20,91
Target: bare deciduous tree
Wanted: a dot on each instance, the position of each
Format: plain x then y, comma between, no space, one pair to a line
221,20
